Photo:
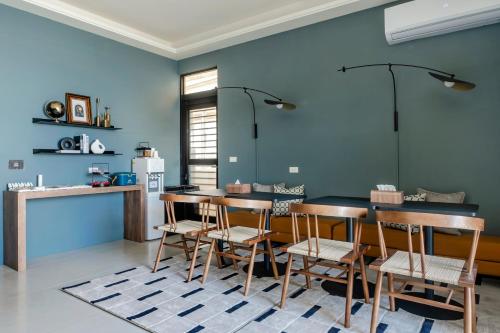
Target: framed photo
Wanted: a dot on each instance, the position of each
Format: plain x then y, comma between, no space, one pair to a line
78,109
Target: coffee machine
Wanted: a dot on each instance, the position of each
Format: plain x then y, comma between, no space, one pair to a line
150,172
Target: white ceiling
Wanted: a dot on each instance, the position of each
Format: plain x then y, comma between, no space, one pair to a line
183,28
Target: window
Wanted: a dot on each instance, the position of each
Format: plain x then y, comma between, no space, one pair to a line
199,129
200,81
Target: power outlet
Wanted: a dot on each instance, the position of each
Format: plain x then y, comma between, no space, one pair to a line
233,159
293,169
16,164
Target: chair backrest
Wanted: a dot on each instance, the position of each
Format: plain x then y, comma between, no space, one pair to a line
170,199
263,206
422,220
328,211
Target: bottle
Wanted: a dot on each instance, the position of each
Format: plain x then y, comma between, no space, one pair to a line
107,117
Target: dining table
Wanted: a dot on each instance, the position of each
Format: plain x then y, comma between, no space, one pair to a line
261,268
470,210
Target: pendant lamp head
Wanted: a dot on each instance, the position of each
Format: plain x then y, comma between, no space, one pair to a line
451,82
279,104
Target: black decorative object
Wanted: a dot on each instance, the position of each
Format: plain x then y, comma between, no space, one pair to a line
448,80
275,101
67,144
54,110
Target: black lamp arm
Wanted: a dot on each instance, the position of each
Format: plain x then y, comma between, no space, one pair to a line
343,69
255,134
395,102
246,89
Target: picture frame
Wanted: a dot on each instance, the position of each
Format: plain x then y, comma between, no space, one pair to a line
78,109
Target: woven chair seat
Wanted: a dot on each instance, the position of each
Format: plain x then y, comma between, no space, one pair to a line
235,234
439,269
185,227
329,249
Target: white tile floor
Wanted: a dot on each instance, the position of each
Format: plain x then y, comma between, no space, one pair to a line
32,301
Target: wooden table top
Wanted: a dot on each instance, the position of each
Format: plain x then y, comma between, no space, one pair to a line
69,191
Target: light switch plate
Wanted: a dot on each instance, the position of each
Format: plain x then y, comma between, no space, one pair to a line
233,159
16,164
293,169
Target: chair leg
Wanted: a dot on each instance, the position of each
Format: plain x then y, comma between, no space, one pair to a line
207,265
364,280
273,259
193,261
348,296
390,286
474,314
250,269
186,249
233,252
305,260
160,249
376,303
218,257
287,280
467,310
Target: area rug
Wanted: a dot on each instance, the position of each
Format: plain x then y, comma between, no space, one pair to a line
164,302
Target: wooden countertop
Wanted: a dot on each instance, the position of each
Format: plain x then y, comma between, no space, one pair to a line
62,192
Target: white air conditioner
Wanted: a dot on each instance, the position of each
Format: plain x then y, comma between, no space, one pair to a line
425,18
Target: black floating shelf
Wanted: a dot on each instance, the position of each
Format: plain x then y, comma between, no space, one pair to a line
64,123
54,152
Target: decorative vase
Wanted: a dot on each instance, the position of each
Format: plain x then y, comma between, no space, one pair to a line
97,147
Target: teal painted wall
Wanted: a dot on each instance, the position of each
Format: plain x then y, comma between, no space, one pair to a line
40,60
341,134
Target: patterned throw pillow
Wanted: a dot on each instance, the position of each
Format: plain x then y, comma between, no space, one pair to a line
264,188
404,227
280,208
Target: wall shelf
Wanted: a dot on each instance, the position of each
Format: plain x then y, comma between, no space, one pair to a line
54,152
64,123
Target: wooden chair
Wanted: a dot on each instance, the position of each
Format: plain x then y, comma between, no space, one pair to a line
239,237
188,229
414,267
327,252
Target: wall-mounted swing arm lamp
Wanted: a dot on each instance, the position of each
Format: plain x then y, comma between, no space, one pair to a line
271,100
274,101
448,80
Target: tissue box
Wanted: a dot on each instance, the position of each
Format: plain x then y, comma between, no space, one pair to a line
238,188
388,197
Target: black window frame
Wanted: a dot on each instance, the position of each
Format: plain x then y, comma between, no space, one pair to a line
204,99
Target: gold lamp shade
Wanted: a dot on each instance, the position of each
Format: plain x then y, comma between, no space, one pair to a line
451,82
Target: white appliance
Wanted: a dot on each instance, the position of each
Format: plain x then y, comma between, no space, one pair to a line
150,172
425,18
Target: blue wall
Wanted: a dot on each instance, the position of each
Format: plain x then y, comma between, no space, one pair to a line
42,60
341,134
